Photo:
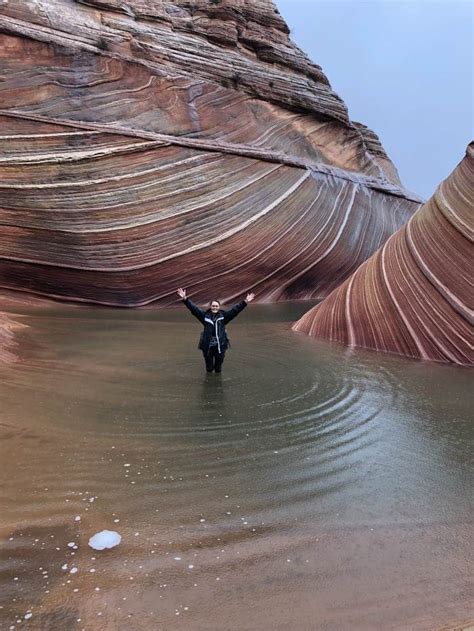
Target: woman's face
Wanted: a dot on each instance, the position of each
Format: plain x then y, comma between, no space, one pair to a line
215,306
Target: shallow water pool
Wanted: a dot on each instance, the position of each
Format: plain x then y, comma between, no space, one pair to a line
306,487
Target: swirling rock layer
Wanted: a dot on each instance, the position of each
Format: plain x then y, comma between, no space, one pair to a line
414,296
150,144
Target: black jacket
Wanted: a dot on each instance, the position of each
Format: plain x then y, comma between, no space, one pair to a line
214,325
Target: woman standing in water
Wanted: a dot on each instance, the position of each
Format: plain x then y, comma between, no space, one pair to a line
214,341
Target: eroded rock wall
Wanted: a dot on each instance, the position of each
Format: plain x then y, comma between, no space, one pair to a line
8,341
146,145
414,296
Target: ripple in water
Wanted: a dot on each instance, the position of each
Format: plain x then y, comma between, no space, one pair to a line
284,491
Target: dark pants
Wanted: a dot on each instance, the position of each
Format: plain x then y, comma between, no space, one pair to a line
213,359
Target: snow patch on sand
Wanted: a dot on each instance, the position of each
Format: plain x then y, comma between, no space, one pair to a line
105,539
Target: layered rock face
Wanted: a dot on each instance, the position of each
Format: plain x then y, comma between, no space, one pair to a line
150,144
415,295
7,338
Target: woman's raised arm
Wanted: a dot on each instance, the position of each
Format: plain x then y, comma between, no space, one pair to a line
195,310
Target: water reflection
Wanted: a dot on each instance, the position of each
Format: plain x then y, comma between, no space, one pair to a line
304,483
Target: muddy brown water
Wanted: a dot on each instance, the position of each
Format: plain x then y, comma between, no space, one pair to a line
307,487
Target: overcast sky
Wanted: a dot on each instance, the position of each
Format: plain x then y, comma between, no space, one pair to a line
404,68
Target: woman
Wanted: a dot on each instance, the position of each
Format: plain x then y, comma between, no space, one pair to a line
214,341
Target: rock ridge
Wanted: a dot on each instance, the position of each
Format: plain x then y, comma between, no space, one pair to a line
413,297
134,160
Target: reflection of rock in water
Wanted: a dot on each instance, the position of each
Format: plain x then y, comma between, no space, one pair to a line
211,152
414,296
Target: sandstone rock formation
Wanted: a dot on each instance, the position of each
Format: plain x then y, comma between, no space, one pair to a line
7,338
415,295
146,144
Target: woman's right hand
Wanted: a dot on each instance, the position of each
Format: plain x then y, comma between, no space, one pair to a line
182,293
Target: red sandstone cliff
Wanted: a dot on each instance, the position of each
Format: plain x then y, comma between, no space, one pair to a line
149,144
8,326
415,295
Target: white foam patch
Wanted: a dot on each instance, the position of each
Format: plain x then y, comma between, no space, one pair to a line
105,539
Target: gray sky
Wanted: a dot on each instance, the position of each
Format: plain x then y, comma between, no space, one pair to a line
404,68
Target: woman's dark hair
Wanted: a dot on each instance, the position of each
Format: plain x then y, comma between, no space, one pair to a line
215,300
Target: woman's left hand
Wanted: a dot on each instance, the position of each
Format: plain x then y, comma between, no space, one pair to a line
250,297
